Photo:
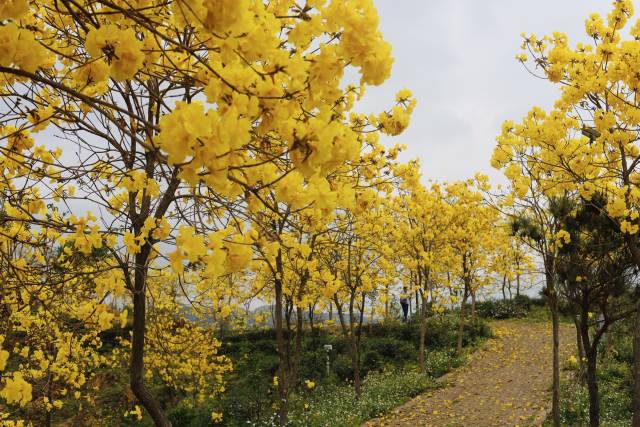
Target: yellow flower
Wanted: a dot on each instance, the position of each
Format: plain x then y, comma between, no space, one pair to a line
120,48
310,384
4,356
123,318
216,417
563,237
137,412
13,9
16,390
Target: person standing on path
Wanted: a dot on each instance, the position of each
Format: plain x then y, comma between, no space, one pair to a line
404,302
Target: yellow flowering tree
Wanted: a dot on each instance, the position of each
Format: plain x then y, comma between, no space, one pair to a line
587,144
163,107
421,243
511,262
472,241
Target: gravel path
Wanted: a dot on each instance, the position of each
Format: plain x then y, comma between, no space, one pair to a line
505,383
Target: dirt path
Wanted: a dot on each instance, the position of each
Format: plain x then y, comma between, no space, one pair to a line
506,383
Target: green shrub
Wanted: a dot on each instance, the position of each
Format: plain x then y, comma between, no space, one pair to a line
439,362
390,347
380,352
186,416
504,309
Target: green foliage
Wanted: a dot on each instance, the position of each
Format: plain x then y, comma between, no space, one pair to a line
186,416
518,307
526,227
615,381
502,309
389,356
439,362
336,405
615,405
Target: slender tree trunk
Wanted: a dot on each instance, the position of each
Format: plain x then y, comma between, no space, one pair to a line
592,385
591,374
636,367
386,304
423,334
461,324
371,319
517,284
311,319
473,307
635,253
579,343
504,287
417,303
555,325
136,372
282,352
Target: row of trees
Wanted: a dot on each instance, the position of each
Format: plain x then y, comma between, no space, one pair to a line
443,244
573,174
151,150
167,164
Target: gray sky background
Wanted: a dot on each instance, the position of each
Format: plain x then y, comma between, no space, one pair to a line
458,58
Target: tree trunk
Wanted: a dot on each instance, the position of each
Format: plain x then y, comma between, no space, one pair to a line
386,304
635,253
461,324
579,343
555,324
504,287
282,354
636,367
591,374
417,304
473,307
371,318
136,372
592,385
423,333
311,319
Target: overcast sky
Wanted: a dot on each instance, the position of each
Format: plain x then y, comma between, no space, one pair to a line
458,58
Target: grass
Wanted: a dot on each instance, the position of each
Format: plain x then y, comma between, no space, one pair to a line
382,391
614,383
